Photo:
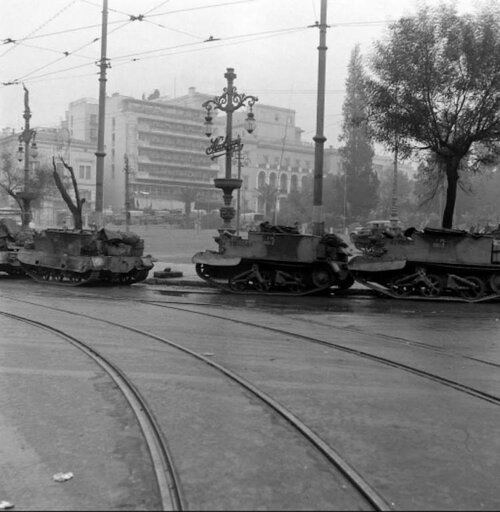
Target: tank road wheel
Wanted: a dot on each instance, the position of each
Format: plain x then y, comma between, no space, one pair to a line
266,283
476,289
494,283
400,288
347,282
322,276
433,286
298,284
203,271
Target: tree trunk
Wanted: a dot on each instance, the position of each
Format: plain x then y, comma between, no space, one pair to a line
25,205
451,191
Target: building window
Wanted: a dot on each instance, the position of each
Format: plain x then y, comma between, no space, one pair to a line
84,172
93,119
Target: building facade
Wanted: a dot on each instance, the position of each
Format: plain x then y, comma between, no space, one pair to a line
165,146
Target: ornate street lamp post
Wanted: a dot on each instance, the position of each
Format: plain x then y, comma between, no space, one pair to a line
25,152
228,102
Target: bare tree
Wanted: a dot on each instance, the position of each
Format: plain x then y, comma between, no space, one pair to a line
74,206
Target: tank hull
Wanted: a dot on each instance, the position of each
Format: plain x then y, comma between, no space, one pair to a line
12,239
432,264
85,258
275,263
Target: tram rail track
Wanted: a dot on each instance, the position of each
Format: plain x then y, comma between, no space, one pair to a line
166,477
382,360
188,308
333,456
469,390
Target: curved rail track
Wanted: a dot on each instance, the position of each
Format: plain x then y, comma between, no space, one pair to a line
382,360
370,495
331,454
166,477
311,339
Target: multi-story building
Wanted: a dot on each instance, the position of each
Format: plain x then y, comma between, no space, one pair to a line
165,147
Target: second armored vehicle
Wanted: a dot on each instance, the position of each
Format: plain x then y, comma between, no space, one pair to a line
276,260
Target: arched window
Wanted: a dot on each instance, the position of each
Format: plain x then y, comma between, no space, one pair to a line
283,183
261,179
294,183
272,180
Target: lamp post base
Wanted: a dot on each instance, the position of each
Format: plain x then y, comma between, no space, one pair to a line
227,212
26,199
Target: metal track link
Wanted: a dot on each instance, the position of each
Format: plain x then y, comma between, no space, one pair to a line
442,298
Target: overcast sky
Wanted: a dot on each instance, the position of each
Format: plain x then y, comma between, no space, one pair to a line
268,42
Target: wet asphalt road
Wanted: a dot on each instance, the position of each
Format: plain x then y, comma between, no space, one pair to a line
372,394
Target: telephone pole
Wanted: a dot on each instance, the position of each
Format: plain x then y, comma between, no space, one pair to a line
319,138
126,169
100,153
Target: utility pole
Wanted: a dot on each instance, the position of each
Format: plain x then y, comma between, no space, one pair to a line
100,153
394,203
319,138
126,169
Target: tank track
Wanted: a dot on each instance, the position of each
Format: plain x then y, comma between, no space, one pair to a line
420,285
270,279
90,278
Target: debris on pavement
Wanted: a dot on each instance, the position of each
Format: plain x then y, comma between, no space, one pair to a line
62,477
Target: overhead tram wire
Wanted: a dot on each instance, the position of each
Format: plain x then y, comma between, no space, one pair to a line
267,33
86,27
67,54
52,18
225,4
254,36
263,35
53,50
142,17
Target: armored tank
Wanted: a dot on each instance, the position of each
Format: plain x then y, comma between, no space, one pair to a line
276,260
433,263
84,257
12,240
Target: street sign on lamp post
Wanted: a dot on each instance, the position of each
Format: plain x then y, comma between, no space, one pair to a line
228,102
